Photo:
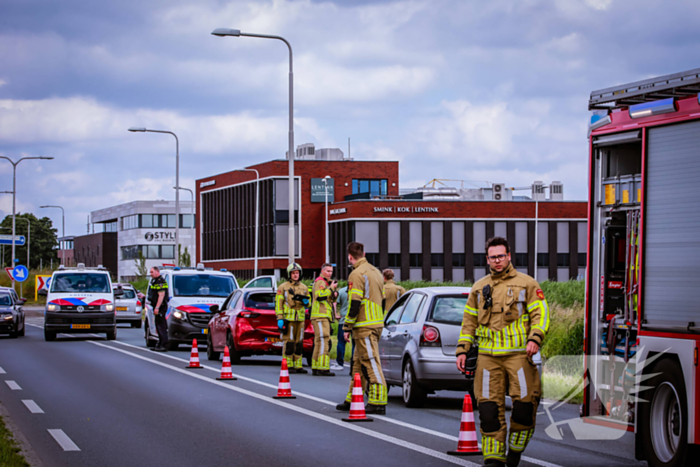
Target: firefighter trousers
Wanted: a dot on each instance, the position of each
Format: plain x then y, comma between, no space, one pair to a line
365,361
293,347
493,375
321,359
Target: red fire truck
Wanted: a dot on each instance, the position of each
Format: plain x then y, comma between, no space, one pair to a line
642,316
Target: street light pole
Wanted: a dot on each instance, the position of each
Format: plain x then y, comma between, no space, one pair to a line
222,32
325,182
177,183
192,213
14,197
63,229
257,214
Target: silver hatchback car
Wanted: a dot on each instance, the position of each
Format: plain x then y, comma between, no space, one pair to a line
128,306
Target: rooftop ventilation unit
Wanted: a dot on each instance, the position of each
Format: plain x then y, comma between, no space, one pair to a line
556,191
499,191
538,191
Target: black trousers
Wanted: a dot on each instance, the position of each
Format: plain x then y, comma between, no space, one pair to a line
162,329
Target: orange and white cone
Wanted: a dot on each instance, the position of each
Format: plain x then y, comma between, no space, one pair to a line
357,403
468,443
226,373
284,390
194,356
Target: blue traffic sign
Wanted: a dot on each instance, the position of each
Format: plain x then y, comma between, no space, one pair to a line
7,240
20,273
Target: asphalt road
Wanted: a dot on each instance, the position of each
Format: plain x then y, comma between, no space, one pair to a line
85,401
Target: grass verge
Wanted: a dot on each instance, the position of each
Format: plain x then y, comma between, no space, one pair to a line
9,451
560,386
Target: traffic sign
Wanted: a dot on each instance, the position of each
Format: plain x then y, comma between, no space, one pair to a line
20,273
43,282
7,240
9,273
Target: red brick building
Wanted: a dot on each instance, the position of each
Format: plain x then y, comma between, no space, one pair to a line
440,239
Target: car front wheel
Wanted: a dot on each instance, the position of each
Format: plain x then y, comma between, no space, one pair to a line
150,342
49,336
235,355
211,354
414,395
112,335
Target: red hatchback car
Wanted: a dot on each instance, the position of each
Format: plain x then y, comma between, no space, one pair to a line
246,323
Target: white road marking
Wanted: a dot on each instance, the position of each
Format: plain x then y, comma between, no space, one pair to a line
14,386
325,418
2,371
63,440
32,406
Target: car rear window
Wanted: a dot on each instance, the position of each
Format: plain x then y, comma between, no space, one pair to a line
128,293
449,310
260,301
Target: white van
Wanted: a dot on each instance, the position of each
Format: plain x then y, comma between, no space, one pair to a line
81,300
191,292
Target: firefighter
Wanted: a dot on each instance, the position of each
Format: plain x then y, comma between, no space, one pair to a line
507,317
392,291
324,294
290,309
365,319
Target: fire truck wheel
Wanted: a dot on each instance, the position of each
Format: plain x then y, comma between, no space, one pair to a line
664,418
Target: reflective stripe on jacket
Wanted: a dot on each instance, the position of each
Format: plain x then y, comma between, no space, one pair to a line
285,305
323,299
365,285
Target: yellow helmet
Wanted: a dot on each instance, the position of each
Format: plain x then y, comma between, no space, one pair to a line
294,267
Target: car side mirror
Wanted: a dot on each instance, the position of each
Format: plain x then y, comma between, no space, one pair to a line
118,292
214,308
23,300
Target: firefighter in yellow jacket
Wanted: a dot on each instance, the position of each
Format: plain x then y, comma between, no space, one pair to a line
290,308
392,291
507,317
365,320
324,294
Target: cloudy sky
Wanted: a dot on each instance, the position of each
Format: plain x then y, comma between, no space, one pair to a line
457,89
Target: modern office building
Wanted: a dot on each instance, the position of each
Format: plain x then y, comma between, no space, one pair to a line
424,233
146,228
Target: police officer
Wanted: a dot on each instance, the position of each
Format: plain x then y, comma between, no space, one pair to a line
392,291
290,309
158,298
365,320
324,294
507,316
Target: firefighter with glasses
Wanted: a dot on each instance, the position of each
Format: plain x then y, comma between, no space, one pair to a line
365,319
290,308
507,317
324,295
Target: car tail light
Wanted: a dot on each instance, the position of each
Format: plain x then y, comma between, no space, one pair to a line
430,337
248,313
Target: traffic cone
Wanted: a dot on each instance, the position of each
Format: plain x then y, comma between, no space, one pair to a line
284,390
194,356
226,373
357,403
467,444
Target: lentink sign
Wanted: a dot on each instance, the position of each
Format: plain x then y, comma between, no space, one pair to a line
405,209
318,190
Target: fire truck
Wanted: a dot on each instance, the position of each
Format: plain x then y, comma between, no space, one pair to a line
642,323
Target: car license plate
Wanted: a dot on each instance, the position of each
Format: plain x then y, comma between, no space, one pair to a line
205,331
80,326
122,308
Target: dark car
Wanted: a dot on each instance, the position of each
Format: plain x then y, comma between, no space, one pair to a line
11,315
246,324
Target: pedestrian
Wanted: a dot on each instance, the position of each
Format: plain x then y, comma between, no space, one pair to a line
365,319
290,309
342,310
158,298
392,291
507,317
324,296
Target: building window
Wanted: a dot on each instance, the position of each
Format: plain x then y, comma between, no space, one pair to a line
521,260
543,260
186,221
563,260
415,260
394,260
110,226
372,258
437,260
459,260
282,217
582,260
480,260
130,252
373,187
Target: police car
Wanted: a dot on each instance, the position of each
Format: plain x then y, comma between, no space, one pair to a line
191,291
81,300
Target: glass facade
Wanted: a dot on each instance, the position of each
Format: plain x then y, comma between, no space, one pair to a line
147,221
373,187
148,251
